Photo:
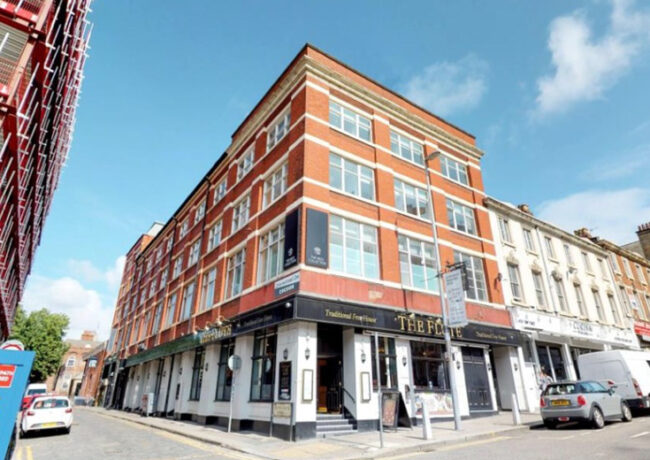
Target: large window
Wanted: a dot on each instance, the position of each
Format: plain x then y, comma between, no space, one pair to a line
349,121
240,213
412,200
262,376
195,252
528,239
598,303
178,266
387,363
628,270
351,177
475,276
188,300
504,230
275,185
214,235
585,259
406,148
569,256
197,374
220,191
200,212
271,251
235,275
163,278
156,318
612,306
224,374
245,163
549,247
453,170
353,247
207,289
515,283
580,300
461,217
540,292
278,130
561,295
429,369
171,309
417,262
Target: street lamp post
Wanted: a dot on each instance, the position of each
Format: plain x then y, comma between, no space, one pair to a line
443,297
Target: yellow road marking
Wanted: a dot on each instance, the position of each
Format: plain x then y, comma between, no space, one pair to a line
30,456
19,453
473,443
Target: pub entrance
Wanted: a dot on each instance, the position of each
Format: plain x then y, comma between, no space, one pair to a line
330,369
476,379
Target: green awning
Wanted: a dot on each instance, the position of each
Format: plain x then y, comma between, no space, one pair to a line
179,345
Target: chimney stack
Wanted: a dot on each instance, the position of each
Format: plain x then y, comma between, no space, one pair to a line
88,336
643,233
525,208
583,233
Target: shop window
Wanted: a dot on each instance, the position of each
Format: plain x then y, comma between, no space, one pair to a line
197,374
262,377
429,370
550,358
224,374
387,363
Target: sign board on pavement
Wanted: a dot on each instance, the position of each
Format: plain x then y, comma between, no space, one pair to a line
455,298
15,367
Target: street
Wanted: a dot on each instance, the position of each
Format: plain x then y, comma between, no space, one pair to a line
617,440
96,436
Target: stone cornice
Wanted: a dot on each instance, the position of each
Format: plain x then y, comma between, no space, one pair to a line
633,256
510,211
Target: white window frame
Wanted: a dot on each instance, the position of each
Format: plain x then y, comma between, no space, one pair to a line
540,291
587,262
459,214
598,305
170,243
560,292
550,248
449,165
188,301
178,267
215,234
364,243
614,262
157,317
278,129
241,213
529,241
276,184
516,288
185,227
172,303
245,163
220,191
504,230
419,194
628,268
399,144
163,278
351,172
612,306
273,240
474,266
200,212
580,300
639,273
426,263
207,290
569,257
152,288
195,253
357,120
235,274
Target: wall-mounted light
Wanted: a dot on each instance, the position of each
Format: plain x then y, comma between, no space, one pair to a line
363,356
285,354
180,370
206,367
307,353
288,305
404,361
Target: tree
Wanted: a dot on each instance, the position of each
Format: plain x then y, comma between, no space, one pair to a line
42,332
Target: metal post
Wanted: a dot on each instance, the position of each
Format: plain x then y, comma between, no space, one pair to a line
516,418
232,392
426,421
379,401
443,300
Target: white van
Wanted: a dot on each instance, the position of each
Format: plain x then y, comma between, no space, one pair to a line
627,371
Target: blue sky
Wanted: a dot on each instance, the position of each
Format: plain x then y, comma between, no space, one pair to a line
556,93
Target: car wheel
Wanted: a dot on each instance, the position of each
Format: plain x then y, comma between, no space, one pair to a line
597,418
550,425
626,413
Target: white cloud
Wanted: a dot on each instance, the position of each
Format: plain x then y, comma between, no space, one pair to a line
613,214
88,272
586,67
447,87
620,165
67,295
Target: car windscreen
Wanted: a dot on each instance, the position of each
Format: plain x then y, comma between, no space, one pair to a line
50,404
561,389
36,391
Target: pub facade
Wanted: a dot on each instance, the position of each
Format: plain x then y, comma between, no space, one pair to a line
305,260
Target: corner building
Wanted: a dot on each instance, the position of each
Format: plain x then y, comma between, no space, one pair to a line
311,233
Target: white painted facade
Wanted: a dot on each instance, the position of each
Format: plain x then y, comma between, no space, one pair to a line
560,291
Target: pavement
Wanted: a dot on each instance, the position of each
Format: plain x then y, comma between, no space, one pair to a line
349,447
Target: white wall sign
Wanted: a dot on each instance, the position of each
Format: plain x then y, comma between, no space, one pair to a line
455,299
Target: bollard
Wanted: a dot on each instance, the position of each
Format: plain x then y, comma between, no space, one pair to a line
426,422
516,418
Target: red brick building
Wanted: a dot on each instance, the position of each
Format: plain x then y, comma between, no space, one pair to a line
93,384
42,52
311,232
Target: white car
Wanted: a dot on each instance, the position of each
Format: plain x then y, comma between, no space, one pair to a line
47,413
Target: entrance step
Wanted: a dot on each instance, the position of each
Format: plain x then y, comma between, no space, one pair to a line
334,425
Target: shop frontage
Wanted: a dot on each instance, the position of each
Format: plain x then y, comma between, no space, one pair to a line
304,361
554,343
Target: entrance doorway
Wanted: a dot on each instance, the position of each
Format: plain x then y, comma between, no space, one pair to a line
476,379
330,369
551,360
